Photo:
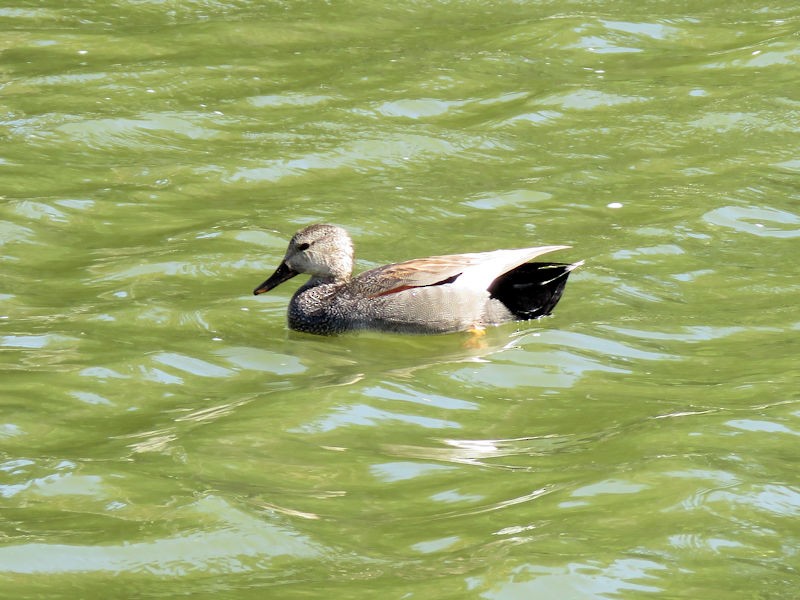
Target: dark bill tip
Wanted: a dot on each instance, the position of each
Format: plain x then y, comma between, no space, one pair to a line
281,274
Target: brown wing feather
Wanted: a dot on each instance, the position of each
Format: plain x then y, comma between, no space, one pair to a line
479,268
419,272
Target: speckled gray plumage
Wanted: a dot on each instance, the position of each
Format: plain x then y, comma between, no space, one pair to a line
430,295
337,308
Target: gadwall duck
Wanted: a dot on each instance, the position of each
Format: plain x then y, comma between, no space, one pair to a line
440,294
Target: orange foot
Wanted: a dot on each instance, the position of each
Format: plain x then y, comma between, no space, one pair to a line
474,341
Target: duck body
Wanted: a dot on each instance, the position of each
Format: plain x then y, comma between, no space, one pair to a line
439,294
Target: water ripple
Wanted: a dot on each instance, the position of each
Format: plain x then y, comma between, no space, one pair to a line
392,150
239,543
756,220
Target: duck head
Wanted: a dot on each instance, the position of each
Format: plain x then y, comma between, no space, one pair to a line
323,251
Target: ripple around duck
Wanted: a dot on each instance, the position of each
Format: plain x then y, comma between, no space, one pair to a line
552,370
555,359
257,359
698,333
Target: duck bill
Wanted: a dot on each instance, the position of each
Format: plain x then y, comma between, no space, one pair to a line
281,274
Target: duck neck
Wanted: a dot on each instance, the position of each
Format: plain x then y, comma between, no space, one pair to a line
332,279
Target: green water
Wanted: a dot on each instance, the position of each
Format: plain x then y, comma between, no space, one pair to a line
163,434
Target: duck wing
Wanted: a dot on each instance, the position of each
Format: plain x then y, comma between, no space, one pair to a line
474,271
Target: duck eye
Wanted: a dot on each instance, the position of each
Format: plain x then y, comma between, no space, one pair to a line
303,246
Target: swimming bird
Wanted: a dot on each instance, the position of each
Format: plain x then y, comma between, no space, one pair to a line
438,294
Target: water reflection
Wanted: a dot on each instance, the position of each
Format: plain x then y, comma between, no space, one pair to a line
235,543
162,431
581,581
760,221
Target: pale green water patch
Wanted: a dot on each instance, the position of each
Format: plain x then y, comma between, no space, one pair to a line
164,434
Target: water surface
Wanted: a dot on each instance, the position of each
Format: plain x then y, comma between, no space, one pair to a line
162,432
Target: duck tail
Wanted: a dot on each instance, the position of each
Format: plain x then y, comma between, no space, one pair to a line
532,290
